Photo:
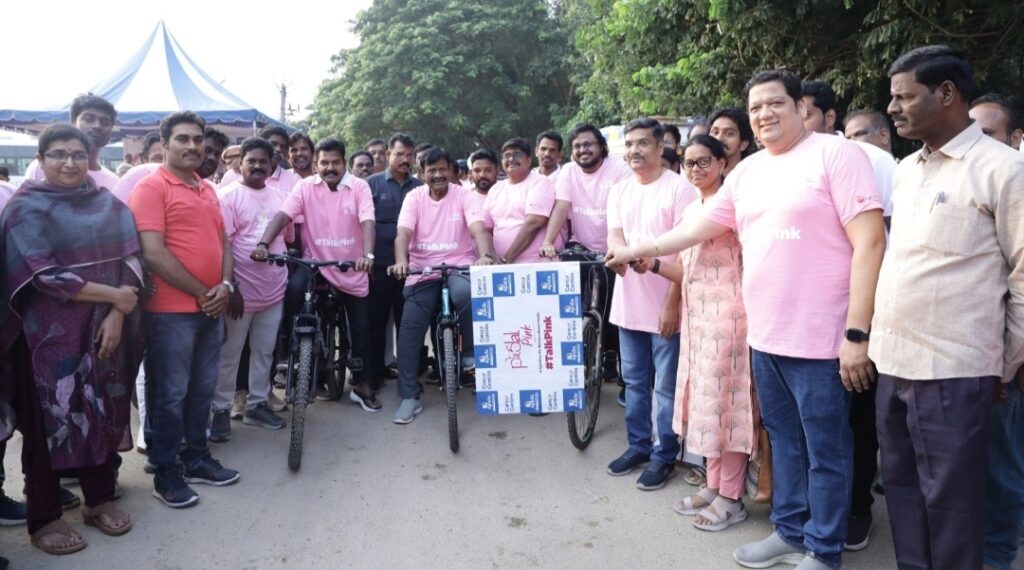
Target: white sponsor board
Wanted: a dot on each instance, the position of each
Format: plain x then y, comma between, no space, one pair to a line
527,338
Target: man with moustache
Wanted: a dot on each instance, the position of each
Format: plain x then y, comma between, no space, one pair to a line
869,127
361,164
439,223
300,154
389,189
549,155
214,143
336,210
186,249
483,170
949,325
731,126
999,118
517,208
94,116
581,196
378,149
281,177
808,217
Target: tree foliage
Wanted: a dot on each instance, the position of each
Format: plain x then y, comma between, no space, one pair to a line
458,74
685,57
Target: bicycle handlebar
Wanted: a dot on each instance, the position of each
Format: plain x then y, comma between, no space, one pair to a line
443,269
281,259
578,250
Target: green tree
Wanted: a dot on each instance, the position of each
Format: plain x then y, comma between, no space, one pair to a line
686,57
458,74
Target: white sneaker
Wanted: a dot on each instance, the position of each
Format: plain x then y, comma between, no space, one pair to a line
276,404
407,410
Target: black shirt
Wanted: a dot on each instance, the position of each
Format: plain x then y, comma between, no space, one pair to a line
388,196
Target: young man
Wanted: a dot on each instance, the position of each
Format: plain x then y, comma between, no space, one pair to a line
248,206
184,245
517,208
731,126
300,154
809,220
950,319
439,223
335,210
549,154
214,143
483,170
94,116
645,306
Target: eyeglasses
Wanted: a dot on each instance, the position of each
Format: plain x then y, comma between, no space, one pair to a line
512,155
63,155
703,162
583,146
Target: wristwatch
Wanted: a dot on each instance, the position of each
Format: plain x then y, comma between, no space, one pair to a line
857,335
229,285
656,267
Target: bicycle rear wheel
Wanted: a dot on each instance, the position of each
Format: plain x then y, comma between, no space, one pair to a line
451,387
300,399
331,369
582,423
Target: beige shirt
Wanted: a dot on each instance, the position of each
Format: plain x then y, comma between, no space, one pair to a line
950,297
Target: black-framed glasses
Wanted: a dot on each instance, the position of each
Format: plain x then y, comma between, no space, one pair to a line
703,162
63,155
583,146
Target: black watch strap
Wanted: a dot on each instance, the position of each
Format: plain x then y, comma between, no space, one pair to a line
857,335
656,267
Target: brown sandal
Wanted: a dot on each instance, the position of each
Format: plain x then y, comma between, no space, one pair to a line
61,528
94,517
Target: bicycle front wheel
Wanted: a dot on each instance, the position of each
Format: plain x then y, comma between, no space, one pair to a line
300,399
582,423
451,386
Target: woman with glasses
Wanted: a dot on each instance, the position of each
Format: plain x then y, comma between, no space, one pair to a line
68,323
714,409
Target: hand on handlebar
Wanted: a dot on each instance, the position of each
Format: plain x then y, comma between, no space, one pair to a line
364,264
548,250
642,265
259,254
399,270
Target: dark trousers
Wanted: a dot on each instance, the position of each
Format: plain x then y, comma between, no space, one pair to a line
385,300
357,312
865,451
609,332
423,301
42,483
934,440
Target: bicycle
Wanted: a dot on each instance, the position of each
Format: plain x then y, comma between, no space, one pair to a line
318,348
581,424
448,342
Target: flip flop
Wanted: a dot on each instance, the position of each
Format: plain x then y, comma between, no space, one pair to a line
94,517
686,507
366,402
61,528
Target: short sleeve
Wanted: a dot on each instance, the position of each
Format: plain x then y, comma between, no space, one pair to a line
563,186
721,209
612,209
410,212
885,168
540,198
472,207
851,182
685,196
148,204
485,209
364,201
228,203
293,205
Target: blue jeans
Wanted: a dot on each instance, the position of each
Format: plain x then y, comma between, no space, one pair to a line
646,356
1004,483
183,351
806,411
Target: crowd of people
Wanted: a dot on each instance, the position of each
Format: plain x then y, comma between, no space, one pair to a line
765,273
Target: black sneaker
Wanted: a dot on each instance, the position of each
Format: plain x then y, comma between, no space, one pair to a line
172,490
610,366
12,512
262,416
858,532
220,429
68,500
627,462
391,371
435,375
209,471
655,476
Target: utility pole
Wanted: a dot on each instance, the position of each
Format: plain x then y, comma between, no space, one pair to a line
284,99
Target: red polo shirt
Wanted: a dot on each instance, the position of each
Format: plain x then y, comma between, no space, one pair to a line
193,229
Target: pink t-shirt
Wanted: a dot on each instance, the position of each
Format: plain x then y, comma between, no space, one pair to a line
440,229
587,195
124,187
103,178
332,229
790,212
229,177
506,207
283,179
643,212
247,213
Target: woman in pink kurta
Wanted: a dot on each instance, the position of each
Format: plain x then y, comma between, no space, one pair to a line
713,403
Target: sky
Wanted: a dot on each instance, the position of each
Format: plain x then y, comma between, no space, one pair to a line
71,46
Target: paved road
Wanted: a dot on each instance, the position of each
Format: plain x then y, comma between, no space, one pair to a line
372,494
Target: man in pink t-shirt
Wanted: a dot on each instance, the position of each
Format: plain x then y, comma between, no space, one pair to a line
94,116
440,222
809,218
649,202
335,210
247,207
517,208
581,196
